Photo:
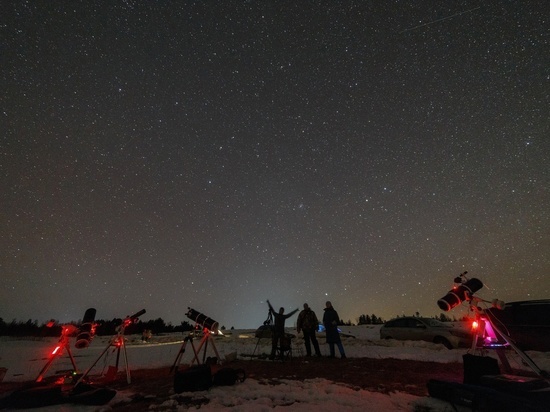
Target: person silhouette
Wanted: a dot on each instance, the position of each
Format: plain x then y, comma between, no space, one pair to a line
330,321
278,331
308,324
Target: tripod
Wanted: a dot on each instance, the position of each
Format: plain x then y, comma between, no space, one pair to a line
264,331
492,332
119,343
63,344
207,338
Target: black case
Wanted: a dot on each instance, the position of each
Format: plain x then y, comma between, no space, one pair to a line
194,378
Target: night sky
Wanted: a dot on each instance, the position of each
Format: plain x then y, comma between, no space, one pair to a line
216,154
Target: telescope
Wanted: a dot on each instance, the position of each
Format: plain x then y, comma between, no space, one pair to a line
119,342
87,330
128,320
210,326
133,318
463,292
85,335
202,320
483,325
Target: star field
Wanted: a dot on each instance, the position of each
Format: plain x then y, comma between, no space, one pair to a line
168,154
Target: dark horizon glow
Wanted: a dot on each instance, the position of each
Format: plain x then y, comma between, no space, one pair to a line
213,155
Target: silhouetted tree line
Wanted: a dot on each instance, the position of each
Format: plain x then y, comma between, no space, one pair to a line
375,320
103,327
445,318
369,320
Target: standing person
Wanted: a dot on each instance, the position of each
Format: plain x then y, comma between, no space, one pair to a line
278,330
330,320
308,323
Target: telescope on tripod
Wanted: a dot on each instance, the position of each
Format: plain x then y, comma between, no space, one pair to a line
209,328
85,334
484,386
487,335
119,342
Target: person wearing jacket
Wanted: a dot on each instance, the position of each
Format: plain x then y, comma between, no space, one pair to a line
308,323
330,321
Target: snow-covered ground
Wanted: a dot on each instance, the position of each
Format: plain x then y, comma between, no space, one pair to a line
25,358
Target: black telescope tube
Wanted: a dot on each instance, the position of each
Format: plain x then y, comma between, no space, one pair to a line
85,333
456,296
137,314
202,320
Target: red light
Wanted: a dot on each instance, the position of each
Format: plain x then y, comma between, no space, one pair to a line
56,350
475,325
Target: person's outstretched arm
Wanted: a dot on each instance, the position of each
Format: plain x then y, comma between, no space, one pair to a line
291,313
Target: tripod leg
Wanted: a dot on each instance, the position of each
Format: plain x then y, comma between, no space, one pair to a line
473,347
93,364
195,354
204,342
43,371
503,360
72,359
57,352
521,353
214,347
128,377
118,356
177,361
256,347
48,364
204,351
